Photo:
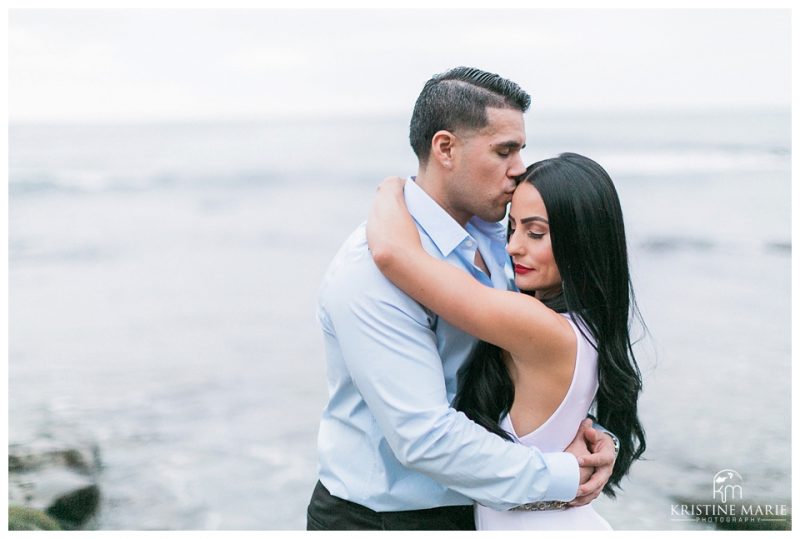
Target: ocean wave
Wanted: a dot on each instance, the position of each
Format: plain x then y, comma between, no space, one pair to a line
87,182
672,244
670,162
84,254
666,244
695,161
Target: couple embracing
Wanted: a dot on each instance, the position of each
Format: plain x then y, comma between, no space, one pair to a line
460,397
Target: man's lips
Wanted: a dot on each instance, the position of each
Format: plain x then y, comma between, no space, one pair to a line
521,270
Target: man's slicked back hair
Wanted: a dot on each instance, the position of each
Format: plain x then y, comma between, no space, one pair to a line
457,99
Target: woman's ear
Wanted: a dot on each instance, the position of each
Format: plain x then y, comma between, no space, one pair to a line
442,148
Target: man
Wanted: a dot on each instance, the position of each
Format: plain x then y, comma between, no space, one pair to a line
393,453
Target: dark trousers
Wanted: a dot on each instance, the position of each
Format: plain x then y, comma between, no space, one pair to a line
329,512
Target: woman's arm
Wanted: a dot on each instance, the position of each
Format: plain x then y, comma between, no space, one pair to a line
513,321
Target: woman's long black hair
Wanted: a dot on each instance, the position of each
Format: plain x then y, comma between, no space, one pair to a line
588,239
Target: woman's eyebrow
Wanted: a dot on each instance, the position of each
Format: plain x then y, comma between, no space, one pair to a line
531,219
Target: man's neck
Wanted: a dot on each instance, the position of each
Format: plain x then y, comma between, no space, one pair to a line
434,186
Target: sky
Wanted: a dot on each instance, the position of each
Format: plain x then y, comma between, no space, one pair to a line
156,65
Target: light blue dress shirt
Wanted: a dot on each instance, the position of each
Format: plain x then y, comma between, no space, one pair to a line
388,438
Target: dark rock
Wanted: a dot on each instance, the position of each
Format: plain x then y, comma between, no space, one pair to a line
62,480
74,508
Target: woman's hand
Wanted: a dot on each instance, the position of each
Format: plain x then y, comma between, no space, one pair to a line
390,228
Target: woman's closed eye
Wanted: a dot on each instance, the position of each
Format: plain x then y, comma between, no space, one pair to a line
530,233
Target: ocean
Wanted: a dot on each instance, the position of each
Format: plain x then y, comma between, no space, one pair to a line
163,280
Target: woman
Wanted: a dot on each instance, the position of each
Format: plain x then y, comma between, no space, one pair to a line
547,353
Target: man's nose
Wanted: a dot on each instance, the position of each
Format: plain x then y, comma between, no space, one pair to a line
517,167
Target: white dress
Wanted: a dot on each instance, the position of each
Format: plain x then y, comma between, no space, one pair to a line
554,435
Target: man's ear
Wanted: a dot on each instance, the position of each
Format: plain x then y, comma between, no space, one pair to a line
442,145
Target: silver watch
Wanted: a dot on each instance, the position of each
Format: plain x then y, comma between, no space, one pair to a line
616,442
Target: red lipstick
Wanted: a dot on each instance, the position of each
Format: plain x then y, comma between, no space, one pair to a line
521,270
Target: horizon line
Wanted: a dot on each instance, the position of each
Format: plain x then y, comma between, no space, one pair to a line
390,115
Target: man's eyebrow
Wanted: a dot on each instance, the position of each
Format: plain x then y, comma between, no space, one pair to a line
511,144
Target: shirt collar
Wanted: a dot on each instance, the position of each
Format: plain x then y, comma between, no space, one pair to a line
495,231
442,229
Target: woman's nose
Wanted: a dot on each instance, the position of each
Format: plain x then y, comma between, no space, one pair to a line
513,245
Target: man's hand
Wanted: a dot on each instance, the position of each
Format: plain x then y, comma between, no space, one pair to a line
600,461
580,448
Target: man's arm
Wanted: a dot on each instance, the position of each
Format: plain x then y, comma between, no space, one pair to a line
392,357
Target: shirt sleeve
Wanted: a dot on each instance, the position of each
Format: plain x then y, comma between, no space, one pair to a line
390,352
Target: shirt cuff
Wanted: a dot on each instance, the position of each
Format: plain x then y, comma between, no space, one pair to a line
564,477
